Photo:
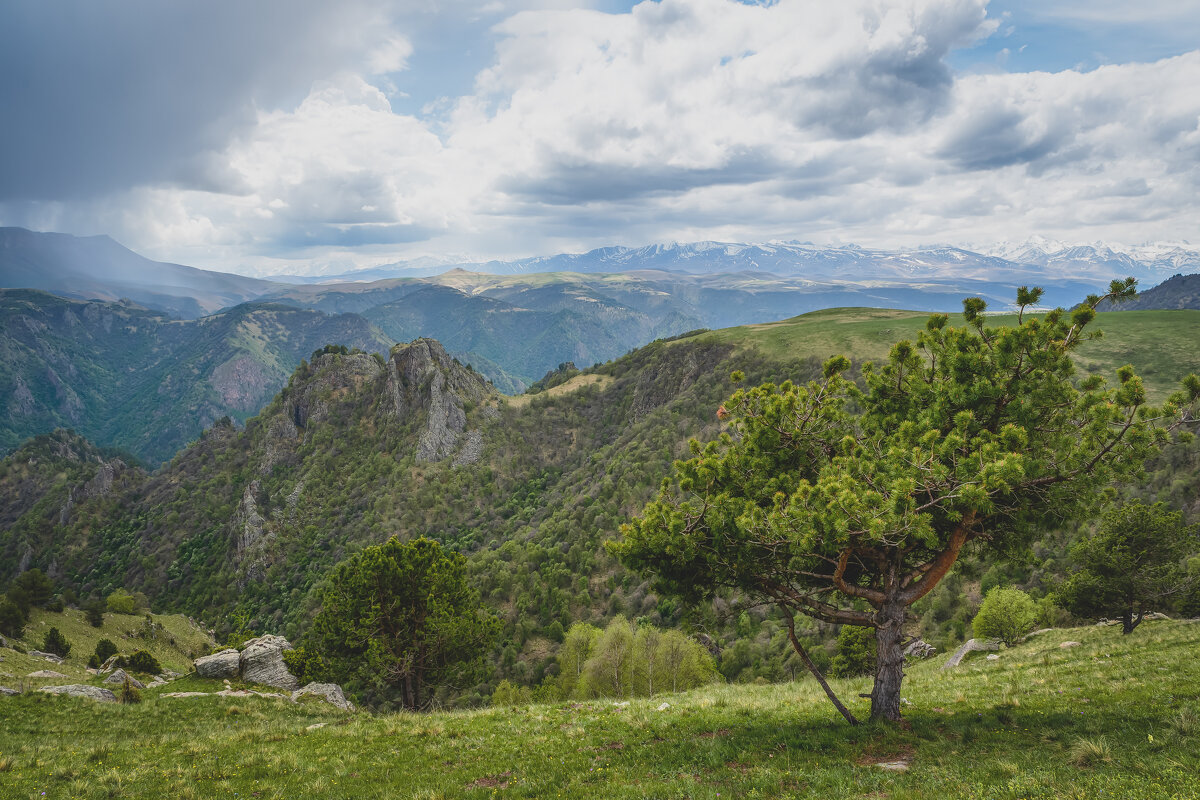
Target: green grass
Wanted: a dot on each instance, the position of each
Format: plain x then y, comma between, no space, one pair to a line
1161,345
174,645
1114,718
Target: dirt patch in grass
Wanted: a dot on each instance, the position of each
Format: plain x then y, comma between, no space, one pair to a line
491,781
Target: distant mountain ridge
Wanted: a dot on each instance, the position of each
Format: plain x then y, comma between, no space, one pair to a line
98,268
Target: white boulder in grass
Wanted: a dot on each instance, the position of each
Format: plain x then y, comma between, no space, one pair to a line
330,692
82,690
218,665
262,662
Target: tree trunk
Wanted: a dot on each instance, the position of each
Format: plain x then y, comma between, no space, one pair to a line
791,623
889,670
1129,622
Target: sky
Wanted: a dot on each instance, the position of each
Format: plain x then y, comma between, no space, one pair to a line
300,136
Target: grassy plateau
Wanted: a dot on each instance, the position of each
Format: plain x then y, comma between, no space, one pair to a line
1114,717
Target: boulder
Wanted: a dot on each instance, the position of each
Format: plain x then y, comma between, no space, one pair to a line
919,649
262,662
993,657
119,677
82,690
7,691
51,657
971,645
331,692
46,673
219,665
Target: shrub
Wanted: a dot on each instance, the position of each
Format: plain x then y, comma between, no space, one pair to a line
105,649
1006,614
121,602
141,661
95,613
12,619
56,643
94,662
508,694
55,604
130,693
855,652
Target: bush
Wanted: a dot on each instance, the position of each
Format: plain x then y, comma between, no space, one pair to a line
56,643
141,661
121,602
12,619
55,604
508,694
95,613
855,652
94,662
1006,614
105,649
130,693
36,586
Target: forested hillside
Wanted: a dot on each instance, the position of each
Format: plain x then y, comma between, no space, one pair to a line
128,377
241,528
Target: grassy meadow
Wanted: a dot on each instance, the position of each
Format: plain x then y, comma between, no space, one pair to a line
1116,717
1161,345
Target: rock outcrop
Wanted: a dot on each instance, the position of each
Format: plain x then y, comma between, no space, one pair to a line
46,673
4,690
330,692
120,676
919,648
82,690
51,657
262,662
970,646
423,380
224,664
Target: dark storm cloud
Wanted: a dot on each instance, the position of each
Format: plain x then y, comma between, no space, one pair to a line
98,97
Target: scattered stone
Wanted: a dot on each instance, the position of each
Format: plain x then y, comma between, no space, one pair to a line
919,648
664,706
154,684
331,692
219,665
993,657
120,676
1038,632
970,646
82,690
251,693
894,766
7,691
1069,644
621,704
46,673
316,725
1155,615
262,662
186,694
56,659
92,671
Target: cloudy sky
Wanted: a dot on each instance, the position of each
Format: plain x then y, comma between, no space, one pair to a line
306,136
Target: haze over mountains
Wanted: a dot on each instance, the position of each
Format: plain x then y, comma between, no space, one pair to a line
195,345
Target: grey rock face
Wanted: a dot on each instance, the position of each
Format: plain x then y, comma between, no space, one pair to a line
82,690
262,662
971,645
331,692
248,523
4,690
51,657
219,665
119,677
422,377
